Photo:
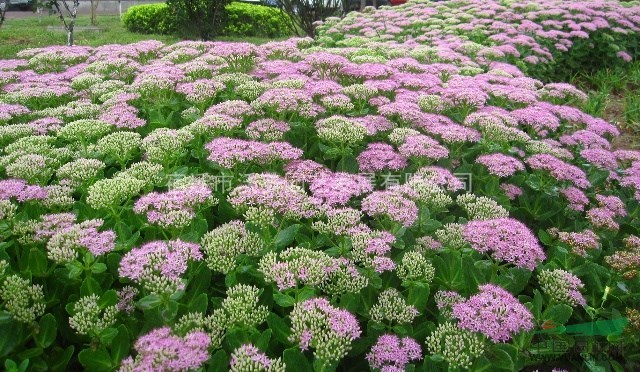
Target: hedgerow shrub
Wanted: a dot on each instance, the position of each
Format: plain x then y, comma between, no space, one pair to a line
241,19
254,20
149,19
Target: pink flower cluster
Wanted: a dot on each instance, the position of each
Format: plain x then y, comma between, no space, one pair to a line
559,169
507,239
494,312
175,208
160,350
21,191
229,152
392,353
159,265
500,165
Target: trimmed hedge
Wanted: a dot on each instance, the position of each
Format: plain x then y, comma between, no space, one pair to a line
149,19
244,20
255,20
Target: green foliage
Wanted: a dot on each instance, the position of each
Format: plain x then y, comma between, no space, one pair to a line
254,20
149,19
241,20
200,19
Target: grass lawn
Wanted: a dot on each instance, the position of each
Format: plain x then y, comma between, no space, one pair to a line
17,34
614,94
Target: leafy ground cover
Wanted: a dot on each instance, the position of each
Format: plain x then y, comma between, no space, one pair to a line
296,205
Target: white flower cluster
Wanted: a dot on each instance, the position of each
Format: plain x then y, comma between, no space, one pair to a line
459,347
481,207
224,244
89,318
24,301
392,307
415,267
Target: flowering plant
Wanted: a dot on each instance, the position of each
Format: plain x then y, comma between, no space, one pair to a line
350,203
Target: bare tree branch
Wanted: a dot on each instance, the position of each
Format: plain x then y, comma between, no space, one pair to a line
4,5
72,12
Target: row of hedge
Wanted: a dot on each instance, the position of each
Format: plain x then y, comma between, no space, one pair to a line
242,20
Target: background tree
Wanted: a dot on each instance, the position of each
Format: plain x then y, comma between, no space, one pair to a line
4,5
94,12
199,19
303,14
69,21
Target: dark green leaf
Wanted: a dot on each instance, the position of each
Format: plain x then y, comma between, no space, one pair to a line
149,302
95,360
199,304
295,360
262,341
47,329
418,296
108,298
120,345
37,262
219,362
279,328
98,268
60,363
5,317
284,300
559,314
107,335
286,236
90,286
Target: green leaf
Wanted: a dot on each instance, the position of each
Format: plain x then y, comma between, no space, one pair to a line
37,262
90,286
95,360
5,317
286,236
170,311
559,314
75,269
108,298
219,362
502,360
149,302
30,353
9,333
284,300
60,363
279,328
295,360
262,341
107,335
120,345
47,329
98,268
10,365
514,279
306,293
199,304
418,296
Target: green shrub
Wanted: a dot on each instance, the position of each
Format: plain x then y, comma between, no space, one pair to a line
199,19
254,20
242,20
149,19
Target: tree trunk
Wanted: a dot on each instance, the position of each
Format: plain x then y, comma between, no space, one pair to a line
4,4
94,10
70,36
363,3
